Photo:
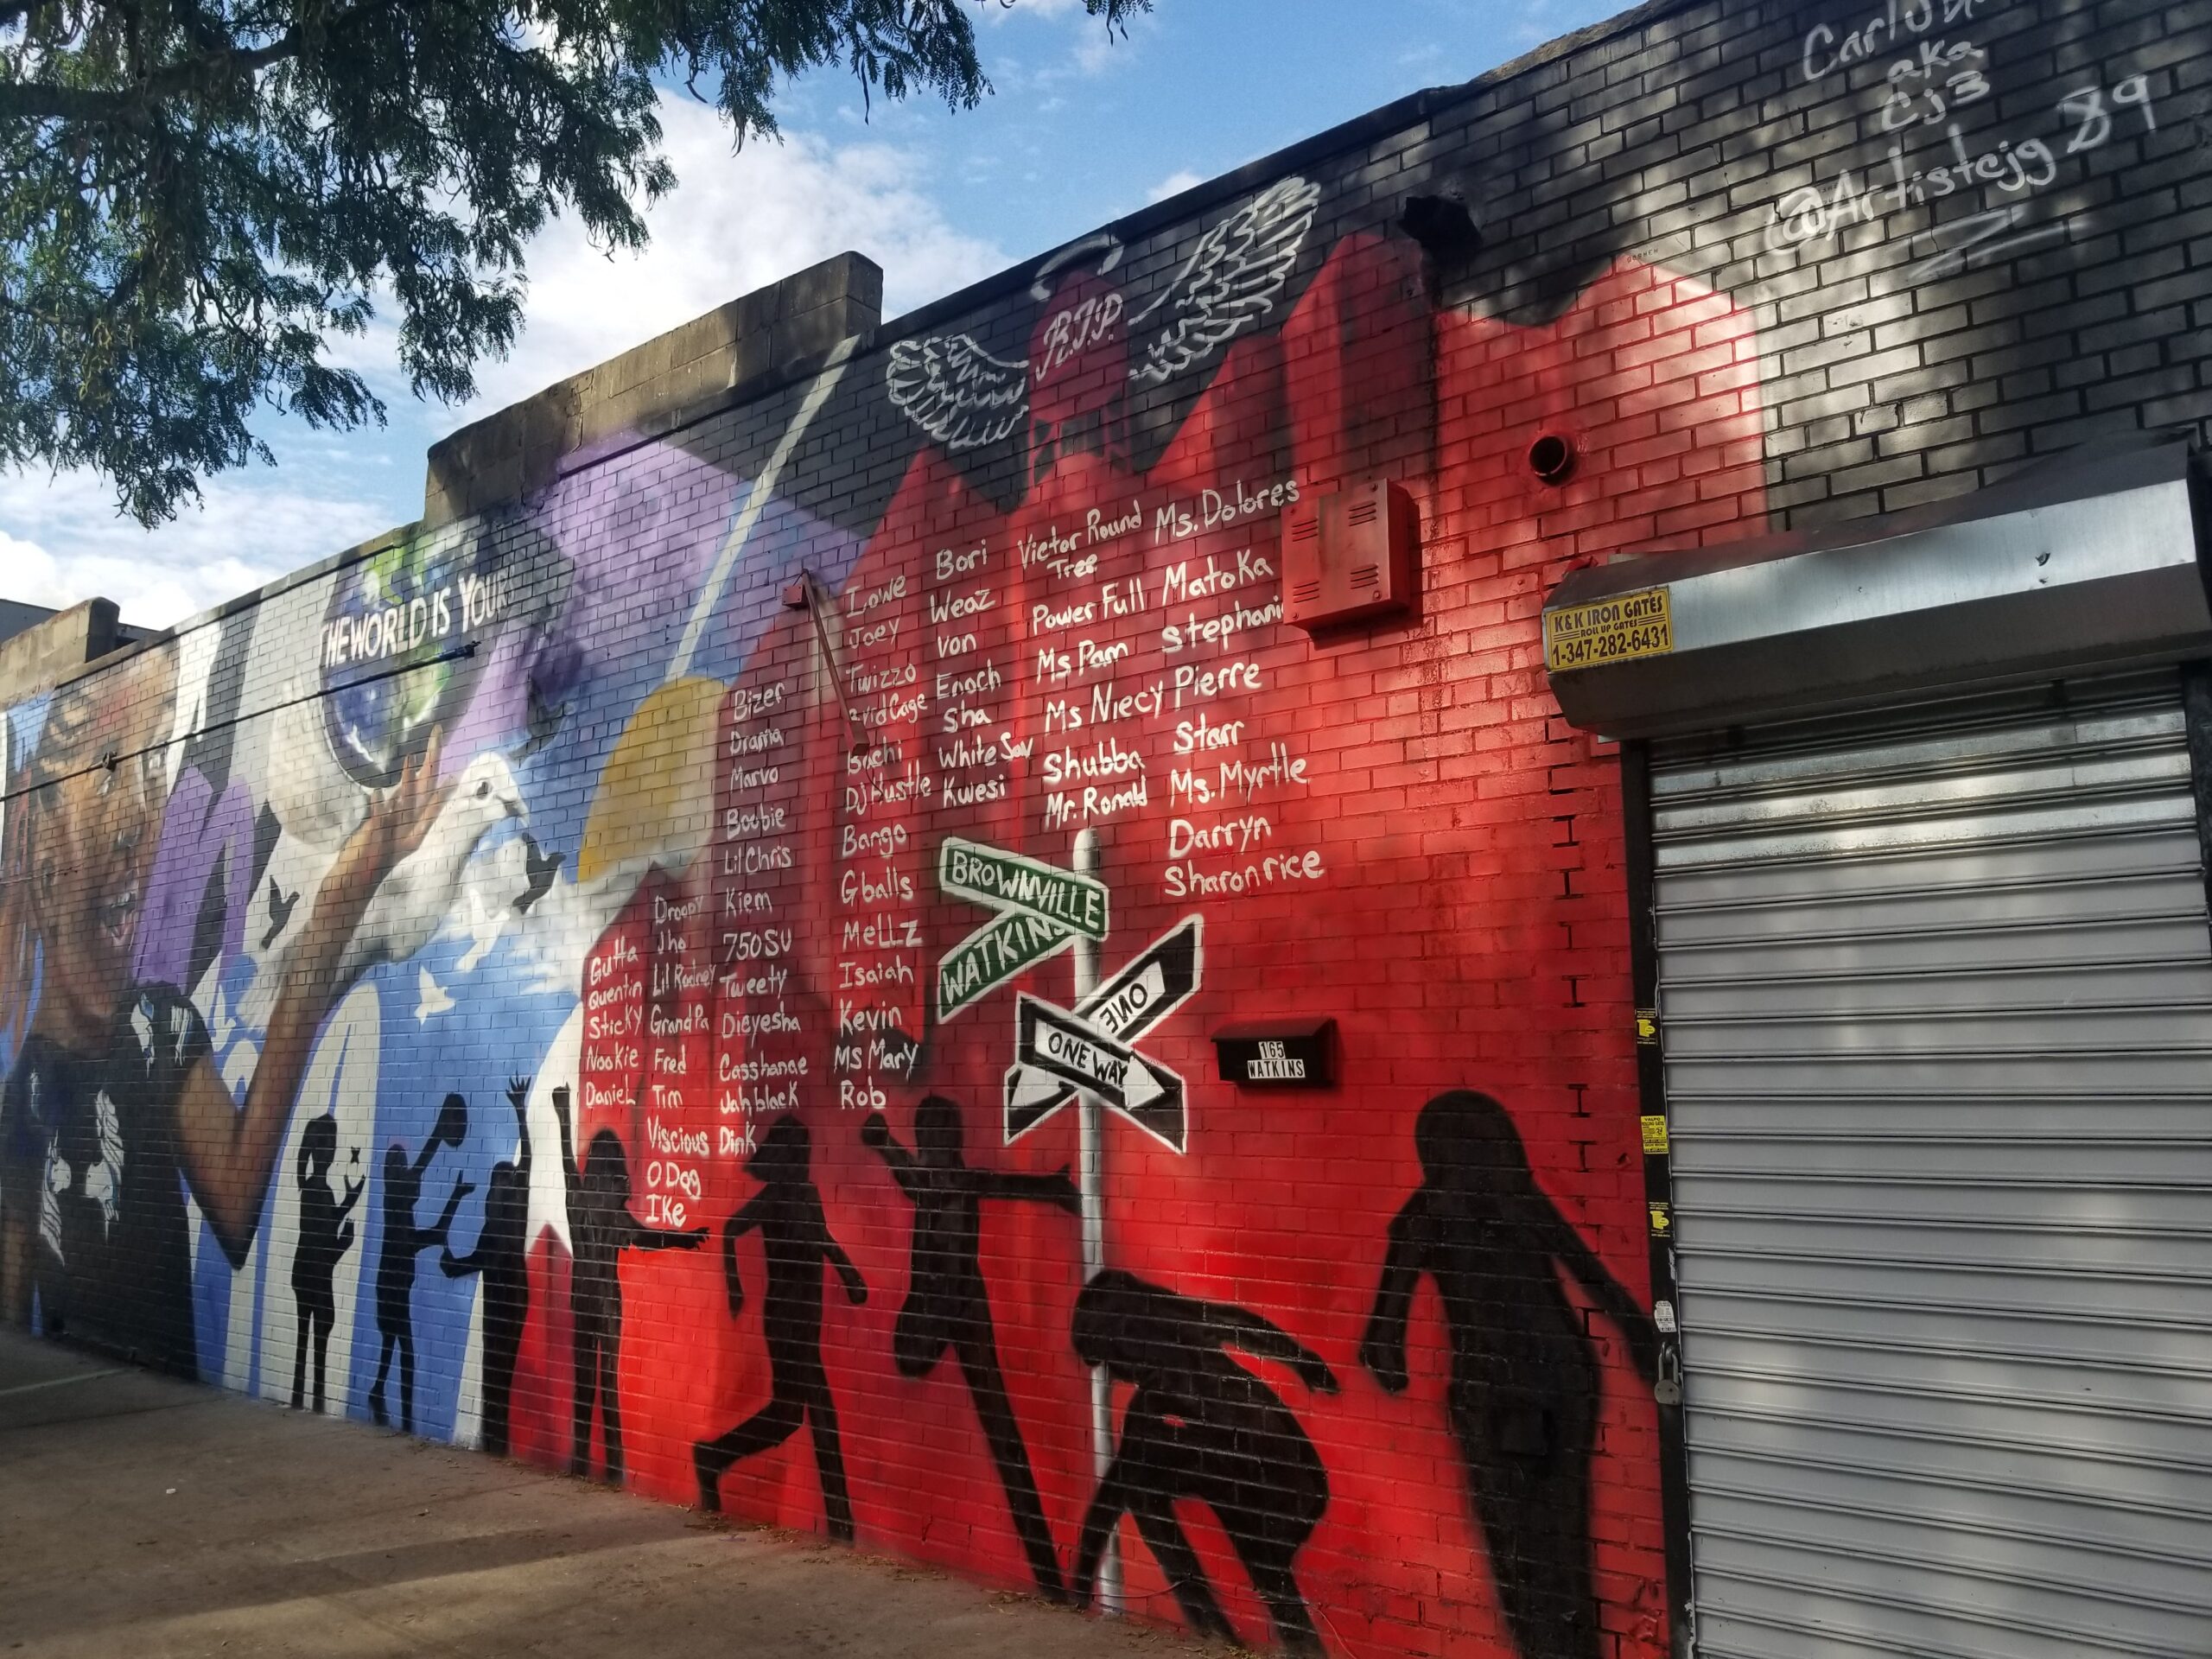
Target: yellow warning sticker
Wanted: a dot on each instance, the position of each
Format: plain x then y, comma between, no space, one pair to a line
1617,630
1655,1135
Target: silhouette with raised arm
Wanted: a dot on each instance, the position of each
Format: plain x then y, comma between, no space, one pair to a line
501,1256
947,1304
403,1241
1524,1384
795,1237
1200,1425
326,1235
600,1227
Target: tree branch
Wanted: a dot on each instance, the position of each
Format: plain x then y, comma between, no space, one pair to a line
42,101
37,101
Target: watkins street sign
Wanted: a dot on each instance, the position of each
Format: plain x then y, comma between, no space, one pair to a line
1041,908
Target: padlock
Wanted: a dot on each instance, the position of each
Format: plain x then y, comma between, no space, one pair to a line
1668,1390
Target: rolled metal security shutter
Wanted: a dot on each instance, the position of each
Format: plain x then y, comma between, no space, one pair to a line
1936,990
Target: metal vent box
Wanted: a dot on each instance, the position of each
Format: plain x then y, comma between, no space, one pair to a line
1350,556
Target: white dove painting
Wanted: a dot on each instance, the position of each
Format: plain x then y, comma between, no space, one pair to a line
411,904
431,997
421,896
481,926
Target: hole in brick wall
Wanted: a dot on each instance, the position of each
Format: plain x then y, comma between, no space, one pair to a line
1551,457
1442,224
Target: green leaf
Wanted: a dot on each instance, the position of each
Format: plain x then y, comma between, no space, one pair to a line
194,197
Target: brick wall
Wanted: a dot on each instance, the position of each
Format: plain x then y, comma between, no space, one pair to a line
656,782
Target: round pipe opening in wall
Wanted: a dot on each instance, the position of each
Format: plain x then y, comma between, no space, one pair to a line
1551,457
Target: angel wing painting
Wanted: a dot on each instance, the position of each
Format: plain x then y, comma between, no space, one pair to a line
964,398
1227,285
956,391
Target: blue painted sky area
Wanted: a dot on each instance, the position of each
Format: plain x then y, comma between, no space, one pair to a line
1079,129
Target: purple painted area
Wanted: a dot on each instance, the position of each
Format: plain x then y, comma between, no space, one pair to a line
498,711
626,594
644,581
635,592
196,830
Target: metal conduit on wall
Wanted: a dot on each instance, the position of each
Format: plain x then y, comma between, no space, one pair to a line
1936,988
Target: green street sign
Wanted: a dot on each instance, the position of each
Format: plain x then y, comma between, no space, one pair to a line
1040,909
991,955
1003,880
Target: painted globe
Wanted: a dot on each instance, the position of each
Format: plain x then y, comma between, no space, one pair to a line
389,667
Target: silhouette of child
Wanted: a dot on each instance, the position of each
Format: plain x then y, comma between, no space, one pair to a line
325,1237
403,1241
1523,1393
795,1236
1200,1425
947,1304
502,1256
600,1227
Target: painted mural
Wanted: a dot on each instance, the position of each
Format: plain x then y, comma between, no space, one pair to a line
615,1001
707,978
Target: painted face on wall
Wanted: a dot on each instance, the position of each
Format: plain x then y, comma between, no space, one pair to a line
92,831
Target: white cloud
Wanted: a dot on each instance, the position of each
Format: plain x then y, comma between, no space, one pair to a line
736,222
1032,9
1078,47
1100,53
1174,185
31,575
60,542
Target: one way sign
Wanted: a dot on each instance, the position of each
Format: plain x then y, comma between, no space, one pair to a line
1052,1039
1152,987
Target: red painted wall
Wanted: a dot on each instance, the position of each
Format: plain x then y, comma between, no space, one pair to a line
1463,923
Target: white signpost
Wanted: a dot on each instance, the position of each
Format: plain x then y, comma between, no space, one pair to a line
1085,1054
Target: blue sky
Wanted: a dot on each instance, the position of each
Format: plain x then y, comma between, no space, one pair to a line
1079,131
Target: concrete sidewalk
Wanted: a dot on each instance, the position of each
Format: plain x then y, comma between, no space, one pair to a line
146,1516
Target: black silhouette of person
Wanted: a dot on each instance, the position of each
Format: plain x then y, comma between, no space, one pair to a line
403,1241
600,1227
947,1305
1524,1380
325,1237
502,1256
1200,1425
795,1237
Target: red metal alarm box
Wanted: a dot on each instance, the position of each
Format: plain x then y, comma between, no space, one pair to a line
1350,556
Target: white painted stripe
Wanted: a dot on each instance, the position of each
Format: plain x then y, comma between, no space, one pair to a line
756,503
